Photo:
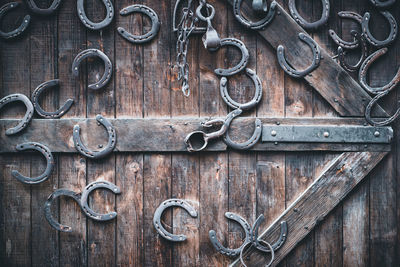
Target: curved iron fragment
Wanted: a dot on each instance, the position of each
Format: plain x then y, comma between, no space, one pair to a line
18,31
326,6
364,53
339,41
362,76
250,142
94,53
158,214
112,140
382,4
28,114
371,39
369,108
315,63
49,163
256,242
95,25
249,244
155,24
43,11
46,114
243,61
258,25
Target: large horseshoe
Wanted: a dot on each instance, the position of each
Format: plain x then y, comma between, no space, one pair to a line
28,114
369,108
95,25
315,63
49,166
339,41
256,242
112,140
258,24
371,39
382,4
159,211
43,11
155,24
243,62
228,251
94,53
18,31
364,53
223,86
326,6
362,76
45,114
250,142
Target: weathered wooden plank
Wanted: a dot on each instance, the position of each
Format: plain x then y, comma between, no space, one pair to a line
341,91
325,193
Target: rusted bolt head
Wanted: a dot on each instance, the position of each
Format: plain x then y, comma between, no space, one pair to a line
377,134
273,133
326,134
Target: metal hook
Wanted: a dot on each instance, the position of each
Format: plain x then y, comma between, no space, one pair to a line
50,115
364,53
250,142
369,108
49,163
112,140
43,11
371,39
382,4
155,24
256,242
159,211
340,42
107,66
18,31
228,251
81,199
249,244
254,25
362,76
326,6
243,61
95,25
315,63
28,114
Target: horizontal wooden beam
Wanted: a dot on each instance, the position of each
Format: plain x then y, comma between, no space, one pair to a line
165,135
327,191
334,84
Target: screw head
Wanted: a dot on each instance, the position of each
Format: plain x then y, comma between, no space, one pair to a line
273,133
377,134
326,134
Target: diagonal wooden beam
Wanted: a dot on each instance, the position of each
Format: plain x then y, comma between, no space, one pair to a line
327,191
334,84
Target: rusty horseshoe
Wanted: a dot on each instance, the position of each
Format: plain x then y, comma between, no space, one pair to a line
371,39
369,108
250,142
28,114
382,4
364,53
95,25
243,61
339,41
259,24
326,6
43,11
18,31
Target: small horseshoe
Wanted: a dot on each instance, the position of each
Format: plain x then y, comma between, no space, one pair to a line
228,251
266,244
256,242
49,159
159,211
43,11
246,106
362,76
326,6
364,53
95,25
371,39
250,142
369,108
28,114
243,62
315,63
340,42
112,140
155,24
18,31
107,66
45,114
254,25
382,4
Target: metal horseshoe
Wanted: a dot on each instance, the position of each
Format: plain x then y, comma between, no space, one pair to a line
159,211
94,53
315,63
266,244
112,140
382,4
81,199
362,76
95,25
371,39
43,11
364,53
254,25
18,31
45,114
369,108
326,6
339,41
243,62
155,24
49,166
250,142
228,251
28,114
256,242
